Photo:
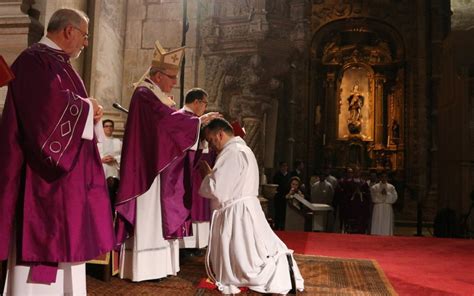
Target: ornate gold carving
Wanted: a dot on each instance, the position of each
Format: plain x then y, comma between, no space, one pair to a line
371,54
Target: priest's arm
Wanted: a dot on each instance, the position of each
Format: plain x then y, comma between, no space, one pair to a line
51,113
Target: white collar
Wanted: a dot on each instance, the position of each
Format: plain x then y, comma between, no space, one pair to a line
186,108
50,43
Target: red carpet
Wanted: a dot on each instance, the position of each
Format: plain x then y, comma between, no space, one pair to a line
414,265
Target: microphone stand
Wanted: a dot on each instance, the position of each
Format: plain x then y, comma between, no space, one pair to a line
119,107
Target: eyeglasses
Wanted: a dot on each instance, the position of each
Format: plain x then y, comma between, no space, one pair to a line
204,102
172,77
108,125
84,34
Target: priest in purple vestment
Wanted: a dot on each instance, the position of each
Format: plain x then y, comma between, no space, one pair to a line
195,105
53,199
151,203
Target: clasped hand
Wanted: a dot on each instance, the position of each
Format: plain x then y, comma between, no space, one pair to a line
204,168
98,110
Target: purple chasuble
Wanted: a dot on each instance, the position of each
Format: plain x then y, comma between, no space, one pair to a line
52,182
155,141
181,203
201,208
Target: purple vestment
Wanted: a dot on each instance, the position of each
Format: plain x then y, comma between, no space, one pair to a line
181,203
201,210
52,184
155,141
354,202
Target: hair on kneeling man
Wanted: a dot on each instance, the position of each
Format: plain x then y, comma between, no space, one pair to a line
219,124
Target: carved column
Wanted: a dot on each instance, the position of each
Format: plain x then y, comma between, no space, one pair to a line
378,100
253,137
253,112
332,109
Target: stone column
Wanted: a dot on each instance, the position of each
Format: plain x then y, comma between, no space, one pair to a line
13,35
378,101
107,53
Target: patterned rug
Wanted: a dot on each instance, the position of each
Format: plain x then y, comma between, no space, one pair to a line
322,275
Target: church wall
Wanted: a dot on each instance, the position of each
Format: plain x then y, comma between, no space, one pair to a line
14,24
456,123
148,21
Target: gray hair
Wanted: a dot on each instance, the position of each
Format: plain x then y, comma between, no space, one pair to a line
153,71
66,16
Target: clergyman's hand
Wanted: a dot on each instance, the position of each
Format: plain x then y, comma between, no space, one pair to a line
98,110
209,116
108,159
204,168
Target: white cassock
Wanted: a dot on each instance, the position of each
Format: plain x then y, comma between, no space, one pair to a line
147,255
113,147
382,215
70,279
243,250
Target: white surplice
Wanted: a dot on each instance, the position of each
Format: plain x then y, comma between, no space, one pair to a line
382,215
243,250
113,147
147,255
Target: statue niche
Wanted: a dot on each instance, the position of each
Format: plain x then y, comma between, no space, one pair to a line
355,117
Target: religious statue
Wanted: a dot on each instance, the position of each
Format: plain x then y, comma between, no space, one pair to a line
395,129
356,102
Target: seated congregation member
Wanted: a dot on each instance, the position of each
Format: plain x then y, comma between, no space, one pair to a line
243,250
384,196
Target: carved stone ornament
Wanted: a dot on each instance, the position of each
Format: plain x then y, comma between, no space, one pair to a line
324,11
